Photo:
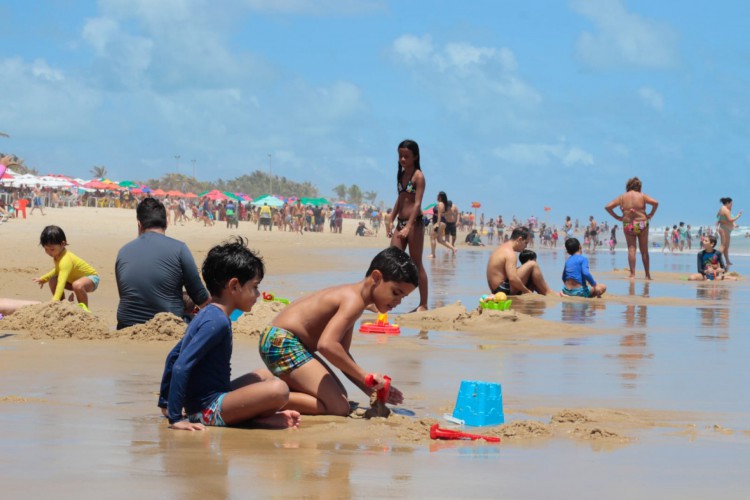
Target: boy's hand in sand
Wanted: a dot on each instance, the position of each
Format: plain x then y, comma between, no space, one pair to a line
395,397
186,425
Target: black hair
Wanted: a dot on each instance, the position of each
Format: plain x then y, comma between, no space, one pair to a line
395,265
52,235
526,255
520,232
726,200
151,213
231,259
414,148
572,245
443,198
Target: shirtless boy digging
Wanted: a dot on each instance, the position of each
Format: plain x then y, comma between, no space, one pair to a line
323,323
504,276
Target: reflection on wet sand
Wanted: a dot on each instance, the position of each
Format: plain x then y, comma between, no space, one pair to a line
581,311
442,272
225,463
716,319
531,304
633,346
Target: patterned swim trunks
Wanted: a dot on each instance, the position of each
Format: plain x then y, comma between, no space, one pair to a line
210,415
282,351
581,291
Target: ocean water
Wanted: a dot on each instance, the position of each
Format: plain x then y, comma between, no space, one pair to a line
648,355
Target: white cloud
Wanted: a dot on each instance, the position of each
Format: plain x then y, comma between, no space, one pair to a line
410,48
317,7
527,154
622,38
466,78
651,98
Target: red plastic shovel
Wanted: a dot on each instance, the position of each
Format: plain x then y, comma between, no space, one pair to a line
437,433
382,392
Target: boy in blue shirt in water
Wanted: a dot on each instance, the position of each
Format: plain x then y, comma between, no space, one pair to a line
197,372
576,274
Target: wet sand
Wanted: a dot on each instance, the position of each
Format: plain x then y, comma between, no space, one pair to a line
642,392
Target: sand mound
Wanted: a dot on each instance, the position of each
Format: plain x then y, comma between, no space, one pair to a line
254,322
569,417
163,326
508,324
57,320
521,429
412,430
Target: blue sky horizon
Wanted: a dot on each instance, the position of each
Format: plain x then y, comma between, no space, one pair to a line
515,105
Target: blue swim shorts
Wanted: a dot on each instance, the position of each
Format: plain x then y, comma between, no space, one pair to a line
581,291
95,280
210,415
282,351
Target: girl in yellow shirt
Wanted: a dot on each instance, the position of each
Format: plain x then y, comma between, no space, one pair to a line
70,272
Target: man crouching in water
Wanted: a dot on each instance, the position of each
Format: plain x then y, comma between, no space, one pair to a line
504,276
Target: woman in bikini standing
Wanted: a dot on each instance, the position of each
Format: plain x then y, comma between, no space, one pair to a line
634,221
725,225
409,229
439,222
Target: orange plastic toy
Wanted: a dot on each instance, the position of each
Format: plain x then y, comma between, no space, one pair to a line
380,326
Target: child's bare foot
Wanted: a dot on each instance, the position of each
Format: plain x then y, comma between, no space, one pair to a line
419,309
280,420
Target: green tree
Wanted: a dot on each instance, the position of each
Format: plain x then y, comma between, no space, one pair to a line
340,191
355,194
99,171
370,196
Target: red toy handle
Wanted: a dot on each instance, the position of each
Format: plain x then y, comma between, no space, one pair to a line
382,392
437,433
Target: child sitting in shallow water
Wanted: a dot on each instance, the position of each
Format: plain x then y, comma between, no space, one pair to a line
710,262
576,274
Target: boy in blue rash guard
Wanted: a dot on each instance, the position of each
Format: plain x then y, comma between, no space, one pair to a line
576,273
710,262
197,372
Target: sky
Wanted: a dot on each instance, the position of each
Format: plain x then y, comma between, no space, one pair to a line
516,105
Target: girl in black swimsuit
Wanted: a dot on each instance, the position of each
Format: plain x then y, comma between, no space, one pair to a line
409,230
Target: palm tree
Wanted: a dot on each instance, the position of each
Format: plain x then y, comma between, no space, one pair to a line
355,194
370,196
340,191
100,172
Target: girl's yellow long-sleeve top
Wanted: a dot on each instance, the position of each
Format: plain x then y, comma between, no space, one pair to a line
68,269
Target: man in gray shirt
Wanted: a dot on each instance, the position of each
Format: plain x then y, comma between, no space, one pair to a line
152,270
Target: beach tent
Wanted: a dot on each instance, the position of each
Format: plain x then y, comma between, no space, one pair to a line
316,202
271,201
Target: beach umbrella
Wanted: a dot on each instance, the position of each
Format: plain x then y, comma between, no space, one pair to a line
271,201
175,192
136,191
231,195
190,194
158,192
428,207
475,205
127,184
146,189
316,202
204,193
